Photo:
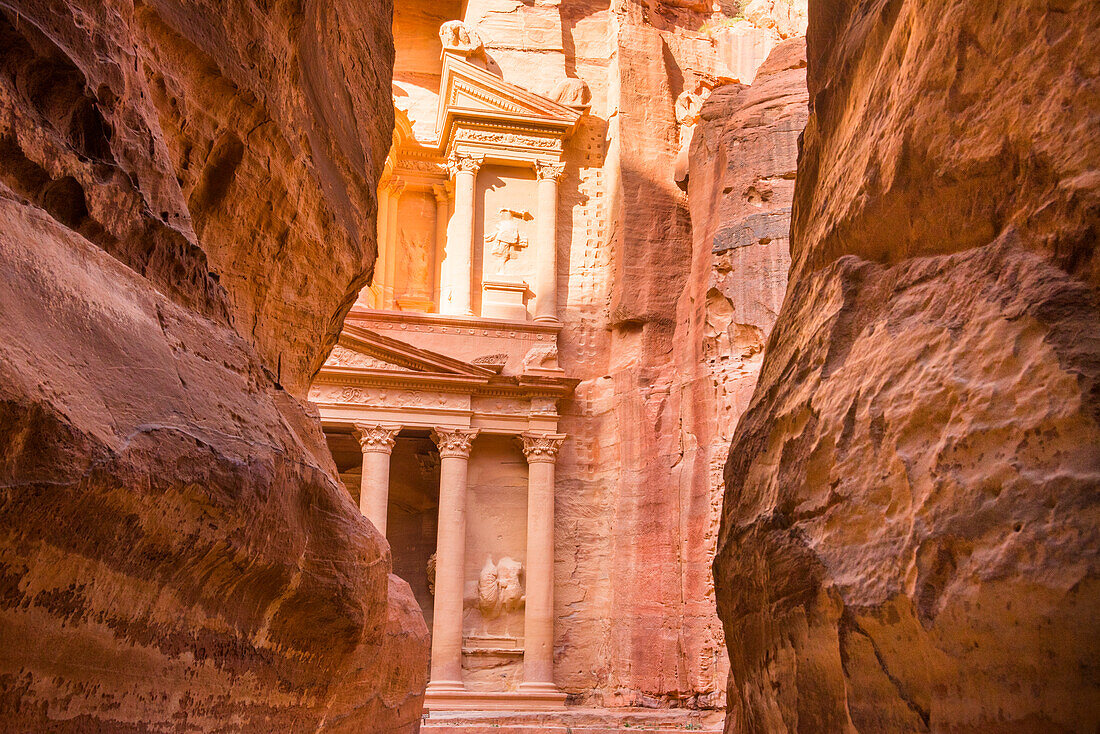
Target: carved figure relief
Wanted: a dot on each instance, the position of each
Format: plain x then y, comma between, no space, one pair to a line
417,255
572,93
460,38
500,587
688,106
541,357
431,574
508,239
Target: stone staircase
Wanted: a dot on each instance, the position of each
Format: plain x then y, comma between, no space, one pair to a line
573,721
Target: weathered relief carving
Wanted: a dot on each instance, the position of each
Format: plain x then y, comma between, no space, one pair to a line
494,362
543,357
544,406
461,163
572,93
431,574
507,138
688,106
428,461
549,170
491,360
500,587
416,251
390,398
344,357
508,239
420,166
460,38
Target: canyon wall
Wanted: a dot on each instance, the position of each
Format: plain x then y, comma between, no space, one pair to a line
186,213
639,483
910,531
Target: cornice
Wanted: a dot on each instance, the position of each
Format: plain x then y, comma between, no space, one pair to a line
525,386
459,324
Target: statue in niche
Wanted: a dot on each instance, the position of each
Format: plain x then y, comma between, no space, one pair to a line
500,588
508,238
417,265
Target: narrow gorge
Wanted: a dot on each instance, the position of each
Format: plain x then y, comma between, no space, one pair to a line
549,366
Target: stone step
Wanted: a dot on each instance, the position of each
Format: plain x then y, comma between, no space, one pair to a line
574,721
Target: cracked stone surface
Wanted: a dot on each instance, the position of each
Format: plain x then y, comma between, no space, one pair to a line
911,520
176,552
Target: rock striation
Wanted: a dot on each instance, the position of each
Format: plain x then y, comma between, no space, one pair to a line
186,214
740,188
909,534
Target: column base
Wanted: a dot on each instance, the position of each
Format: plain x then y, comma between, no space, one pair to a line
522,700
444,687
547,320
539,689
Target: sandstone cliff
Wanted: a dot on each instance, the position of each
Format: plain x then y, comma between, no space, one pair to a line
740,190
909,534
186,212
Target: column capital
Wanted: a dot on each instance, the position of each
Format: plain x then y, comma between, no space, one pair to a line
441,194
454,442
542,446
459,162
549,170
380,438
393,185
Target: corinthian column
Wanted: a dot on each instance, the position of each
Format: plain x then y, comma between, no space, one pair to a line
460,252
374,488
546,275
541,450
377,285
450,558
442,219
390,282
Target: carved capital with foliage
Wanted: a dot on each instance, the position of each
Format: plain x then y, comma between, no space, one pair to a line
376,438
454,442
542,446
548,170
459,163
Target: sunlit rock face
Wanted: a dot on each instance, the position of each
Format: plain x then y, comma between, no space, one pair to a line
740,187
186,212
641,478
909,533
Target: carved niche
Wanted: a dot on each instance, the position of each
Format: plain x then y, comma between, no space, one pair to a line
509,237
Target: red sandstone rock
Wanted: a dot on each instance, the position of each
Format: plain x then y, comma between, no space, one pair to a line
911,521
639,479
186,212
740,190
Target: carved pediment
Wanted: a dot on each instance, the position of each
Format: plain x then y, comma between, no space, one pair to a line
366,350
472,92
342,356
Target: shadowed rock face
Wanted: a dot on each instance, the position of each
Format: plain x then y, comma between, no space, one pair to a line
909,534
186,212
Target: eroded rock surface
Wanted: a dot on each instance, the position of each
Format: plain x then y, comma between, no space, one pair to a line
186,212
911,520
740,189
